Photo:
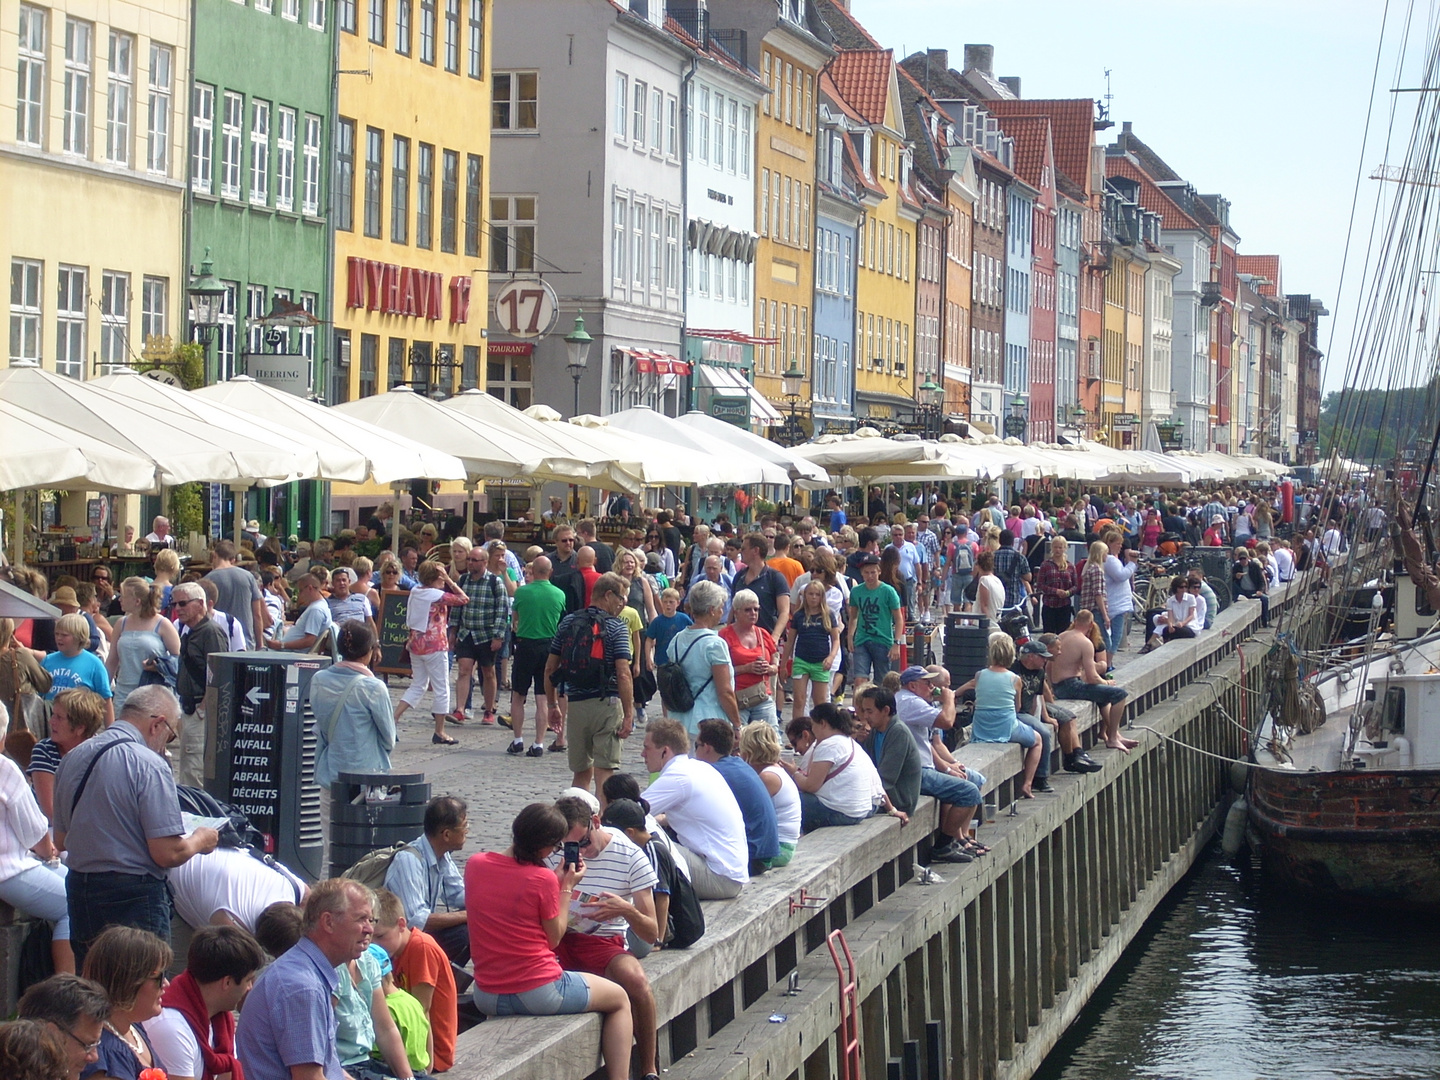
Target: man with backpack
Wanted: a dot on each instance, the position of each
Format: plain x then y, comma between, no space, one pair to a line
424,876
590,657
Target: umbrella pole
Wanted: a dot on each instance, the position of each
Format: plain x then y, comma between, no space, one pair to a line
239,493
395,519
17,531
470,509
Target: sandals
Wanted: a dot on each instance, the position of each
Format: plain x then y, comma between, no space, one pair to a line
557,747
444,740
974,847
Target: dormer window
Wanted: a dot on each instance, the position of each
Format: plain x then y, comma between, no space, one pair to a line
865,152
836,159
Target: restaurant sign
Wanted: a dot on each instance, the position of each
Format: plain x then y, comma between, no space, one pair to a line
733,410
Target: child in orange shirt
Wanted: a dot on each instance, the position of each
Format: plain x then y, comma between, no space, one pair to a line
422,968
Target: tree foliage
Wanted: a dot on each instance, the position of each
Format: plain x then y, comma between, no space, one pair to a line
1375,426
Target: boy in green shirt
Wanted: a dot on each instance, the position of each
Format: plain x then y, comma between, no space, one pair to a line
409,1014
875,625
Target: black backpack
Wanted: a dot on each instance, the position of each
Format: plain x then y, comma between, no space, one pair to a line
582,653
686,920
675,690
238,834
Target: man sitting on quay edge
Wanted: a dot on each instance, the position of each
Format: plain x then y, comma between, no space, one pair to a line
941,776
621,880
1037,699
715,744
1075,678
424,877
896,757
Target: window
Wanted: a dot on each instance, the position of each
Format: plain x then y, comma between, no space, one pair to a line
231,125
512,232
290,10
345,175
114,317
508,378
474,181
427,31
622,105
783,229
285,159
70,316
657,120
369,362
377,22
719,115
765,77
25,275
657,249
619,208
345,13
404,13
311,303
449,199
764,202
254,312
704,125
317,15
637,245
470,368
745,141
202,138
452,36
119,98
672,127
30,98
400,191
310,195
672,254
514,101
225,332
259,152
76,132
733,130
154,308
637,131
264,6
477,39
789,87
374,185
425,197
157,159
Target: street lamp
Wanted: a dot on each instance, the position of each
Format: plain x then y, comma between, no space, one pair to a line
791,379
1015,422
931,398
577,346
207,293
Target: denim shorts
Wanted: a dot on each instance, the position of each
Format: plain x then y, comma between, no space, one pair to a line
949,789
568,994
1101,693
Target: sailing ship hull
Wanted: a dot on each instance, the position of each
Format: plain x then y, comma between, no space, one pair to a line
1357,835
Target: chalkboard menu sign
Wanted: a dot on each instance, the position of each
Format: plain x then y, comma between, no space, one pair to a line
394,634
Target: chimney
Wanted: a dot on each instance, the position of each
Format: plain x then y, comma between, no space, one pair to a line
938,58
1011,83
1126,127
980,58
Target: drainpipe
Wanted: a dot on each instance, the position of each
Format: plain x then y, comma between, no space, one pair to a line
685,226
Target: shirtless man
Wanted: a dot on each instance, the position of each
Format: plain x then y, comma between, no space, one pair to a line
1075,678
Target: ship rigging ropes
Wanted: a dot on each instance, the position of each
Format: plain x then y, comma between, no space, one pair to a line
1390,280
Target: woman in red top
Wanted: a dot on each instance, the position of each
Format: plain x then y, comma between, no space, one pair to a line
518,912
753,653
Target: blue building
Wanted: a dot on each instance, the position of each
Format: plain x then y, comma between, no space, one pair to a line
838,213
1018,259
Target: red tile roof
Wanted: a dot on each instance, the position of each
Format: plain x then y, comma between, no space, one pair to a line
862,78
1032,136
1072,130
1152,198
828,88
1264,266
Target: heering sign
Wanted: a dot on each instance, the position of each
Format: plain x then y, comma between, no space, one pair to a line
281,371
404,290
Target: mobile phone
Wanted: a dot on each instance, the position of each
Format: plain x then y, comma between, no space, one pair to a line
572,852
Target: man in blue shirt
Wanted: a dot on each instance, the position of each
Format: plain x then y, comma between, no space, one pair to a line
315,619
838,517
287,1030
427,881
715,744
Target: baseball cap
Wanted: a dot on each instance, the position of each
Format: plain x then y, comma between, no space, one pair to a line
914,673
1035,648
624,814
381,957
869,558
582,793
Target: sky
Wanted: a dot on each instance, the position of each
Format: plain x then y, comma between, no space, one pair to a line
1263,101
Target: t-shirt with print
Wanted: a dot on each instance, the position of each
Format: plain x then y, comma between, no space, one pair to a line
622,868
84,671
1032,685
875,608
434,604
423,963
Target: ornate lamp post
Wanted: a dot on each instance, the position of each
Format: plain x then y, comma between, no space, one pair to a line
1015,422
931,407
577,348
790,382
207,294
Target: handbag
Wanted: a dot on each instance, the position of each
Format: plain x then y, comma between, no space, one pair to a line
20,738
753,695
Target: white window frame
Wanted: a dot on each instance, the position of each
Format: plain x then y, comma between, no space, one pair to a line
641,102
154,307
285,121
27,289
621,118
162,81
315,16
310,191
119,97
504,214
672,127
225,331
31,71
638,218
114,319
232,132
254,312
71,318
202,139
657,249
672,254
290,10
619,245
79,56
259,152
513,102
703,150
745,141
732,131
657,120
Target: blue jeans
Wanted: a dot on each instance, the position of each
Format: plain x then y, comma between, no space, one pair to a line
870,660
1116,633
1047,740
816,815
106,899
764,710
947,789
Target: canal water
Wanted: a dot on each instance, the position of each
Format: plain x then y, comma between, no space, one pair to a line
1233,979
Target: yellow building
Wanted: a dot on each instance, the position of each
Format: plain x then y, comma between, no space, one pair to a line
1112,344
1135,299
93,134
790,62
411,200
865,80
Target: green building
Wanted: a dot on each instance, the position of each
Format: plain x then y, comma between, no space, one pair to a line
260,114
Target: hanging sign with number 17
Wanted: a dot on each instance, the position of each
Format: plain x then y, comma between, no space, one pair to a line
526,308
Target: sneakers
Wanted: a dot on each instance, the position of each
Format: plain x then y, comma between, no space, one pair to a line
488,720
536,750
504,719
1081,762
457,717
951,853
1042,786
517,746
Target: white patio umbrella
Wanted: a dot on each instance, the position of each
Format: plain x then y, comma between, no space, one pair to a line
801,470
37,452
866,453
560,441
740,466
636,460
388,457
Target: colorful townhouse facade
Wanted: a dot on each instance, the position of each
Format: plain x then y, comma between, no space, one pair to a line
839,212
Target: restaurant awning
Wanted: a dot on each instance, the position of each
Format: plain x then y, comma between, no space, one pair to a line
726,380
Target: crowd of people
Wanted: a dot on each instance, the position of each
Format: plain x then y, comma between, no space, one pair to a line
699,635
